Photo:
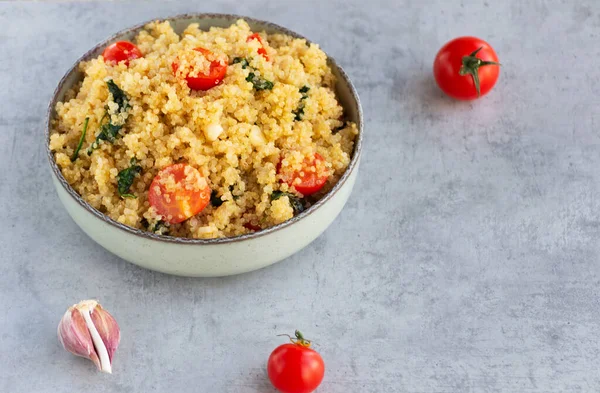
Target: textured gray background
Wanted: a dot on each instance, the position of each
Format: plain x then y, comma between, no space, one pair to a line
465,261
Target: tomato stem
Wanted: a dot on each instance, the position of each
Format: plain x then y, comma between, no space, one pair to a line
471,65
298,339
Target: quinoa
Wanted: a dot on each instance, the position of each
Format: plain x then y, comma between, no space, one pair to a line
238,137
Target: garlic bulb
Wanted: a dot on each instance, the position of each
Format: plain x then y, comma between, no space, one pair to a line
89,331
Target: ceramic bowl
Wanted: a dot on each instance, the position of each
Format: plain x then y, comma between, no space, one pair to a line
212,257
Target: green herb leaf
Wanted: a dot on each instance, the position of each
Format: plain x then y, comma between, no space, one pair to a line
160,226
108,131
244,62
76,152
214,199
296,203
125,179
119,96
258,82
235,197
217,201
299,112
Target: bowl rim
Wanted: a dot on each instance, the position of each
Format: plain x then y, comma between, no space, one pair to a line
192,241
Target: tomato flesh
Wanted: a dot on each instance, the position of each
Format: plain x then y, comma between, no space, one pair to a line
202,81
309,181
293,368
448,61
261,51
178,192
121,51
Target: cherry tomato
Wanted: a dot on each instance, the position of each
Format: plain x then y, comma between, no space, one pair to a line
121,51
178,192
202,81
261,51
466,68
310,181
295,368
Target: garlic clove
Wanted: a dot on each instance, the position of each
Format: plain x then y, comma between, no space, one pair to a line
107,328
75,336
89,331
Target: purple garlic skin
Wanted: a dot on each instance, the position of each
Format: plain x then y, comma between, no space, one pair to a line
89,331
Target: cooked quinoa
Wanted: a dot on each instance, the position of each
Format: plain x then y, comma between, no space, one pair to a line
238,136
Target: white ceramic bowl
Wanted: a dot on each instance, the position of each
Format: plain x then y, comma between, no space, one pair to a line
213,257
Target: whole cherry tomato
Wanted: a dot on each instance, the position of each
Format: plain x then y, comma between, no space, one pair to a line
295,368
466,68
121,51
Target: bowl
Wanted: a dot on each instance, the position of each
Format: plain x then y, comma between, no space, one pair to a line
208,257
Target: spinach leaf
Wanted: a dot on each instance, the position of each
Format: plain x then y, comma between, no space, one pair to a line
76,152
217,201
125,178
214,199
244,62
235,197
108,131
119,96
296,203
299,112
258,82
161,227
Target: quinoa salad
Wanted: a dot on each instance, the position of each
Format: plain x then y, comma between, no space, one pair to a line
206,134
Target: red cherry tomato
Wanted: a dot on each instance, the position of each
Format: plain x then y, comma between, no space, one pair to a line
202,81
310,179
121,51
261,51
295,368
178,192
466,68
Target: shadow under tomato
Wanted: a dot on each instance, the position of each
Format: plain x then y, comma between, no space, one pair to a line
430,94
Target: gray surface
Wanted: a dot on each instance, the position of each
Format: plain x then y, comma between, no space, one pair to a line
465,261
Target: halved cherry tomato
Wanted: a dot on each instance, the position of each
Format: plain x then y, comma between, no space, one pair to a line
205,81
310,180
261,51
178,192
121,51
295,368
466,68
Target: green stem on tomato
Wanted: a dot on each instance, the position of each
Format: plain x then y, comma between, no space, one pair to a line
298,339
471,65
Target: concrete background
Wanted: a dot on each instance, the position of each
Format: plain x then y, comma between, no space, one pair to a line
465,261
